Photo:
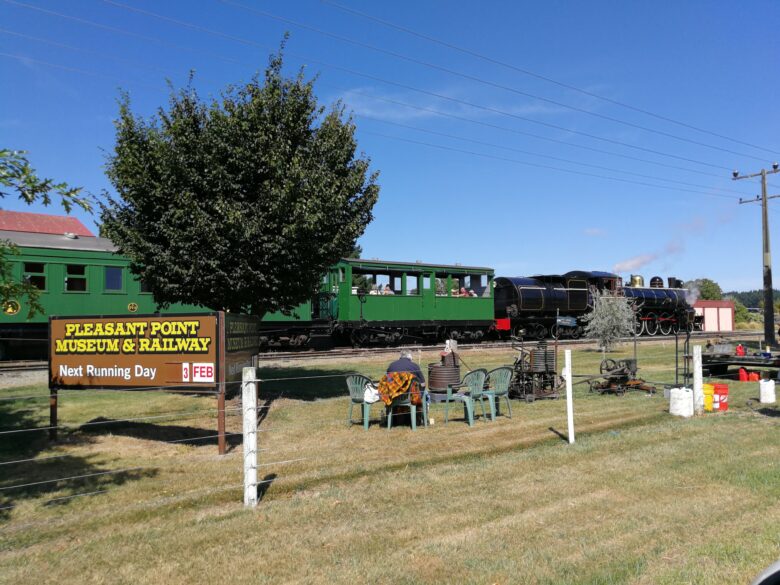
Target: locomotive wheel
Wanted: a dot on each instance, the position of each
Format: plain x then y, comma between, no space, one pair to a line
651,324
607,365
555,331
540,331
577,332
665,325
639,326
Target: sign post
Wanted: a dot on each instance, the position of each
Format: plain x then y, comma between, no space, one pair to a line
190,352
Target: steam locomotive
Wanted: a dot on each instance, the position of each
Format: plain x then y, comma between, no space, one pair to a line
555,305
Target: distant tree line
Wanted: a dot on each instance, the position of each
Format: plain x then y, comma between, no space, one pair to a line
752,298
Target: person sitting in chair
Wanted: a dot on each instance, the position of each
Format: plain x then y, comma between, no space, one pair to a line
405,364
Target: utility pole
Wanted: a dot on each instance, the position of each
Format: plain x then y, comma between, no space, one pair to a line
769,305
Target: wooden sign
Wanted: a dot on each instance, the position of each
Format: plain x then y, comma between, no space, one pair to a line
136,352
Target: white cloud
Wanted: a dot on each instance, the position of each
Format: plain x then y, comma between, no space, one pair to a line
634,263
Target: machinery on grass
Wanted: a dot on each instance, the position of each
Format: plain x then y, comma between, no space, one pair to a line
619,377
535,372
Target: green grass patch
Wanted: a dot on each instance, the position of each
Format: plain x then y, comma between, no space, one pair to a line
642,497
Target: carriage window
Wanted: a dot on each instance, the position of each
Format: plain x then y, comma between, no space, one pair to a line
441,287
75,278
382,285
478,283
412,282
427,282
35,274
113,279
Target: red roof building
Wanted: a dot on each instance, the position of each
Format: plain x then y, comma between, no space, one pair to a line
39,223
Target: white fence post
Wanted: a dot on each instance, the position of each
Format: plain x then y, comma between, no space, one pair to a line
569,400
698,382
249,407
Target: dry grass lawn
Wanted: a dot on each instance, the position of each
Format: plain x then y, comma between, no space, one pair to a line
642,497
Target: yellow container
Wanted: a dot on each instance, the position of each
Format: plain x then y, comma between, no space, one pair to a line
708,402
709,389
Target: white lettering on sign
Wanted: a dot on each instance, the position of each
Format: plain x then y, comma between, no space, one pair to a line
142,372
70,371
203,372
185,372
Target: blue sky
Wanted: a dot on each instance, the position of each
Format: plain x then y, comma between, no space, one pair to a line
480,171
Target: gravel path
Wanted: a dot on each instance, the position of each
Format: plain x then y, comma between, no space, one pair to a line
13,379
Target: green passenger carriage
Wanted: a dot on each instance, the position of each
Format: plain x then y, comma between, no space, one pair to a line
76,275
366,302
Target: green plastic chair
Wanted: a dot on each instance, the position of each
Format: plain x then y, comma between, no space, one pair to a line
499,381
406,400
473,382
357,386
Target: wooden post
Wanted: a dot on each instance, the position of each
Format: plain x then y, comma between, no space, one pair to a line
569,401
249,392
221,446
53,414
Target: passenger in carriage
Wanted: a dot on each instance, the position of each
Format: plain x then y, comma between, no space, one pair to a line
388,290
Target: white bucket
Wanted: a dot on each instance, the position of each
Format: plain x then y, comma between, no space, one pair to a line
681,402
767,391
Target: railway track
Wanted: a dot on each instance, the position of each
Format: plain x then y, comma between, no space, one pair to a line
378,351
23,366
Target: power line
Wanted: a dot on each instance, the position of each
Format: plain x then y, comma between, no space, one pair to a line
461,151
351,72
453,150
548,167
538,76
357,92
249,42
560,159
467,76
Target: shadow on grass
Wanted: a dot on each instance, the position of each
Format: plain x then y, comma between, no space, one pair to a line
303,383
23,477
156,432
559,434
264,485
770,412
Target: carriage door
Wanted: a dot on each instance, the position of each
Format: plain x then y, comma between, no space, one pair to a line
325,304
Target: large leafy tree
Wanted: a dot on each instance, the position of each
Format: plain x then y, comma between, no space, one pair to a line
238,203
18,178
